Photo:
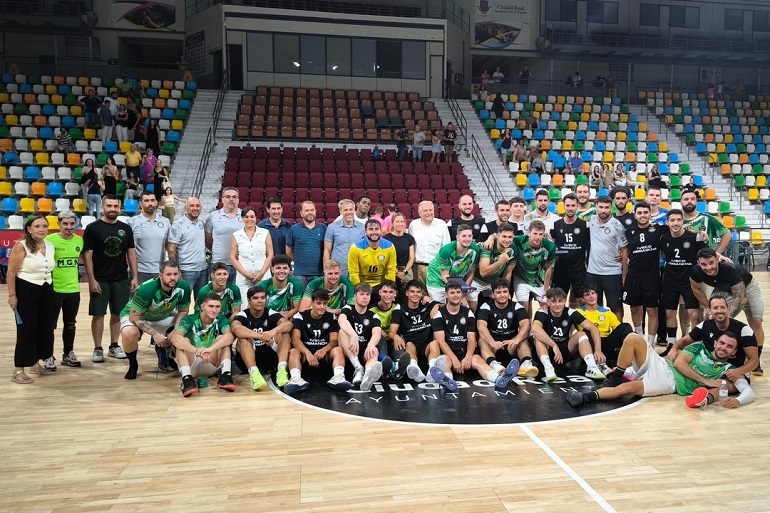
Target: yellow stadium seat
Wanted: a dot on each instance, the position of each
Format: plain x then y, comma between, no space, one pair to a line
145,83
6,188
663,147
89,133
494,134
123,100
639,194
756,237
80,206
164,93
11,120
622,136
761,181
83,81
525,167
3,173
51,89
521,180
27,205
642,127
566,145
4,98
178,124
560,208
753,194
53,222
572,125
45,205
56,99
42,158
76,110
125,146
609,156
36,145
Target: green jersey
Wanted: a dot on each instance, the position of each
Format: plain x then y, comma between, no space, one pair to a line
494,255
384,316
231,297
343,294
155,304
285,299
66,254
704,363
585,215
531,262
714,229
448,259
199,335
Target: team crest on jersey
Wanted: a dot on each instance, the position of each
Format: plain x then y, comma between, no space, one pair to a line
476,227
576,231
607,231
366,322
509,315
651,229
160,224
602,318
77,248
628,222
380,257
121,233
686,245
565,323
325,326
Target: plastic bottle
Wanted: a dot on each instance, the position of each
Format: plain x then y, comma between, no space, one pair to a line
723,392
204,383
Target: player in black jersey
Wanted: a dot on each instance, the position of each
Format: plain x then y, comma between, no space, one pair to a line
503,213
263,340
641,285
503,328
314,338
745,358
570,234
411,331
680,248
361,338
553,326
620,197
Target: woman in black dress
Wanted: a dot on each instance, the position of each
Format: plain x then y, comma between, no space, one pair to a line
110,175
152,139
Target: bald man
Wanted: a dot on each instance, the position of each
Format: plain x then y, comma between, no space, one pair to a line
187,245
465,206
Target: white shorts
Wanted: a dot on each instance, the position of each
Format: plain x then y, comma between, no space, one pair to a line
656,375
201,369
483,288
160,326
439,294
524,291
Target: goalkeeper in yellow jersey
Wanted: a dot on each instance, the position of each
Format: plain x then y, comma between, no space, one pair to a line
372,260
612,331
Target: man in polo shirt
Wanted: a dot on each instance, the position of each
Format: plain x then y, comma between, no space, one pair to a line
430,235
342,234
150,233
608,239
220,226
276,225
305,244
187,245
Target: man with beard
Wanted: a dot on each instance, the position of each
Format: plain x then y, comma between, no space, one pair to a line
570,234
465,205
156,308
284,292
585,210
187,245
340,289
608,239
620,197
503,213
534,265
372,259
150,233
657,214
541,212
497,262
305,244
719,237
457,260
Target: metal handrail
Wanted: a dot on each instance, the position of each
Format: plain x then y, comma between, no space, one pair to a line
487,175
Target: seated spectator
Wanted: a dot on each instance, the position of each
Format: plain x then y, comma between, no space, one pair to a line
575,164
520,153
483,94
486,78
654,179
619,178
559,162
538,163
600,80
63,142
691,187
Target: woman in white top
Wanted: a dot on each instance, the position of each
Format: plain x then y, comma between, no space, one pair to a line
251,250
31,296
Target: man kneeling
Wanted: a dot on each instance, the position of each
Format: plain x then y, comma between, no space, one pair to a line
696,373
202,342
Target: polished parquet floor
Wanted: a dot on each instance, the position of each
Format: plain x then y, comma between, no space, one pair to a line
86,440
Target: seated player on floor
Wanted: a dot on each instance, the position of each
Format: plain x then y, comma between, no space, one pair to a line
384,312
361,338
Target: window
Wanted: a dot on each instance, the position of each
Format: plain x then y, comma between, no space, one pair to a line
389,59
603,12
286,53
733,19
413,60
313,52
649,15
364,57
83,47
561,10
760,21
260,51
195,52
338,56
680,16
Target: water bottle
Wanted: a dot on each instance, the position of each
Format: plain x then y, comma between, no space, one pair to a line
204,382
723,392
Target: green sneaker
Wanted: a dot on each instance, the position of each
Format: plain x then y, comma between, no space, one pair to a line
282,377
257,381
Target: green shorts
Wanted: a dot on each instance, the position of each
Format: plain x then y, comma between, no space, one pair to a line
115,294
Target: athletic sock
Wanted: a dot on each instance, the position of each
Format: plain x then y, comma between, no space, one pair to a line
227,365
339,371
252,370
492,375
282,365
709,399
295,373
546,361
650,340
133,365
497,366
591,397
639,330
355,362
431,362
671,341
185,371
526,359
590,362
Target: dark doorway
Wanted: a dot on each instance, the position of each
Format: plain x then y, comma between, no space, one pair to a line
235,66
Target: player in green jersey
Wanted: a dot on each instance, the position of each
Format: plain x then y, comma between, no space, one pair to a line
340,289
534,265
220,285
457,259
284,292
719,237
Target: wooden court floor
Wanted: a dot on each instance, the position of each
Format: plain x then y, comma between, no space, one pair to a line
86,440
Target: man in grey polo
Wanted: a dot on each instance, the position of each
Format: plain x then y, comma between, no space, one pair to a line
342,234
150,234
220,226
608,242
187,245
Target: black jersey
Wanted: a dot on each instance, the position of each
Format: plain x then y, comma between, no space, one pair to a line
363,323
476,224
315,332
572,243
644,250
455,327
727,276
681,254
626,219
492,227
503,324
413,325
708,332
265,322
559,328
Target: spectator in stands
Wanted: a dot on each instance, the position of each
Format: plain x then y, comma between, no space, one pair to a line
107,120
619,178
538,163
114,103
711,91
133,187
111,176
276,225
152,138
486,78
498,106
304,244
653,177
720,90
93,185
220,226
574,165
343,233
122,123
160,179
435,141
525,76
498,76
577,80
63,142
691,187
559,162
167,204
430,234
506,141
139,92
520,153
450,134
124,87
90,104
134,119
148,167
418,141
401,136
133,162
385,221
600,80
483,95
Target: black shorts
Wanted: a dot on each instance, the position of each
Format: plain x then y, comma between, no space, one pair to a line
265,357
566,278
459,351
669,299
566,355
641,291
610,286
421,345
382,348
612,343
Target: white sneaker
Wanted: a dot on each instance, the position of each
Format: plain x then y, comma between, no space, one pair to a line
550,375
358,376
338,382
98,356
414,373
527,370
295,385
439,363
371,375
595,373
605,369
117,352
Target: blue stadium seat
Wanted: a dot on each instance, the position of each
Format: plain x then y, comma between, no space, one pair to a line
528,194
697,180
185,104
673,157
32,173
55,189
68,122
11,157
701,207
483,114
130,206
111,147
10,205
49,110
192,86
46,133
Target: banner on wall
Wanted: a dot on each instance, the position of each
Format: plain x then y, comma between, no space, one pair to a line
503,25
135,14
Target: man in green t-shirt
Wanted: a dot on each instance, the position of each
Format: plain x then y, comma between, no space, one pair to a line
696,373
68,246
457,259
228,292
497,262
719,237
534,265
202,342
156,307
341,290
284,292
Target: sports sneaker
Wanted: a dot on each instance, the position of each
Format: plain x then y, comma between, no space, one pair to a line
256,380
758,371
371,375
282,377
189,386
50,364
439,376
698,398
339,382
226,382
387,366
358,376
606,370
550,375
295,385
440,363
98,356
507,375
527,370
70,360
402,366
116,352
414,373
575,399
164,364
595,373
